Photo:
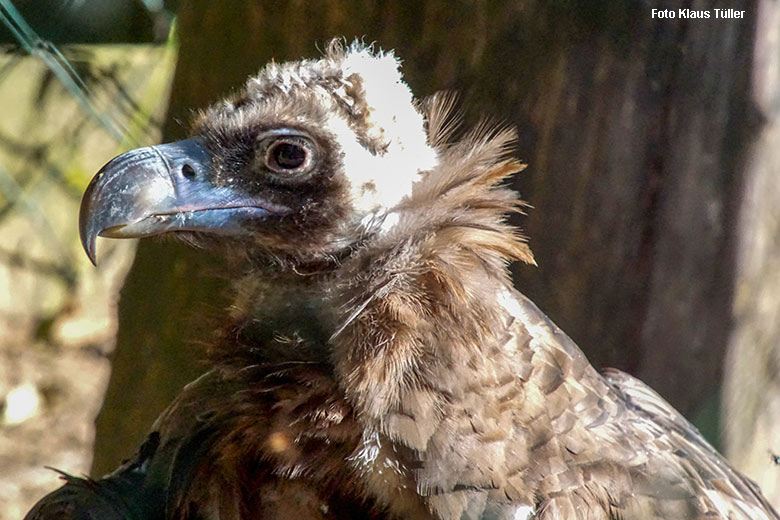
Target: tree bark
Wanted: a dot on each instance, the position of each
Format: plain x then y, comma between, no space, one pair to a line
633,128
752,378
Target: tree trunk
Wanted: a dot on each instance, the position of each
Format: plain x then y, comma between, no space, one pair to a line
752,379
633,128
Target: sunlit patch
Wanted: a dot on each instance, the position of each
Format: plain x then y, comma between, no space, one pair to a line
389,222
278,442
367,451
21,403
523,513
391,122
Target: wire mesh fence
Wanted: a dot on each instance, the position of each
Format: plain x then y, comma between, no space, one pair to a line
64,111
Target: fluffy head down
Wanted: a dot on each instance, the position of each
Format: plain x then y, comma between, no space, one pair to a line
356,97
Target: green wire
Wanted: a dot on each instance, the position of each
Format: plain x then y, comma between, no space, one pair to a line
59,66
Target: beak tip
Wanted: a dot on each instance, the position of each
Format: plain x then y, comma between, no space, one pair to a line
91,256
88,242
87,235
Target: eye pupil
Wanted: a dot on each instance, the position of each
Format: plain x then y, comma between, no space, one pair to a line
288,156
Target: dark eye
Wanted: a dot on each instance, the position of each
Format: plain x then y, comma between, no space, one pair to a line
286,156
289,155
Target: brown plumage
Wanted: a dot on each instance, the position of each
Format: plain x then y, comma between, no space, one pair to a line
378,362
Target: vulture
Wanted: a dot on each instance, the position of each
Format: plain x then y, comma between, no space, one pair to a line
377,362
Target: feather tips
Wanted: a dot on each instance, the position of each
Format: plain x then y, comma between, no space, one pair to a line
465,194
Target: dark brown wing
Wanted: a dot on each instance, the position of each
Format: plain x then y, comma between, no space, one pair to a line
118,496
154,481
188,470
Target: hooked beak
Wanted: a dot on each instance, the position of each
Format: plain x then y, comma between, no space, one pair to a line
164,188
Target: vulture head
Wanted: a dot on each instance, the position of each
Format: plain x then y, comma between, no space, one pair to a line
308,159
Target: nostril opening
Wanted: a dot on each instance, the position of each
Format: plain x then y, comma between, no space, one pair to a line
188,171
